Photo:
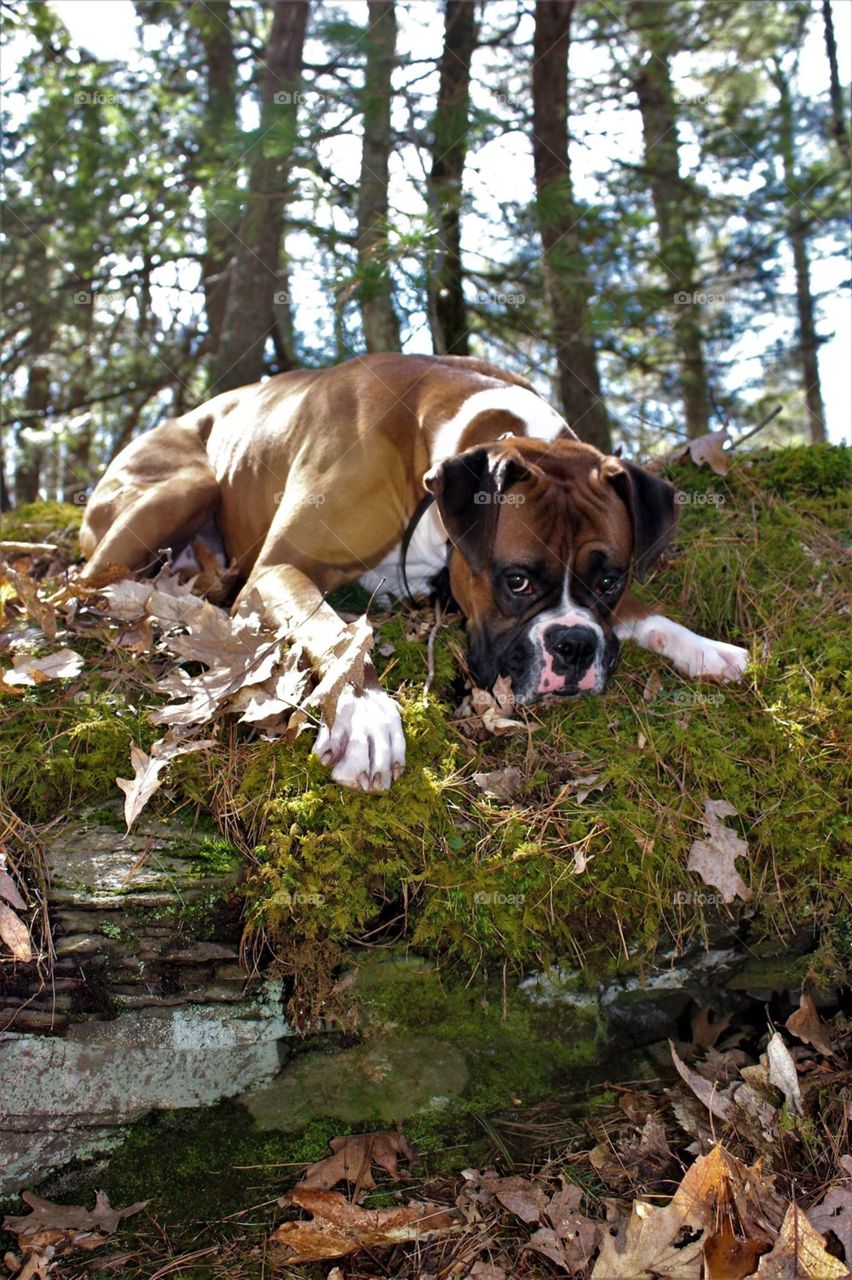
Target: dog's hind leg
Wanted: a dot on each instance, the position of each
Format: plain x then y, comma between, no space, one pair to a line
153,496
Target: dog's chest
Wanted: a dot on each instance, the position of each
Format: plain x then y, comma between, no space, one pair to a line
426,556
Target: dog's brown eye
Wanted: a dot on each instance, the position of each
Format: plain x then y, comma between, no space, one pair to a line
518,583
607,583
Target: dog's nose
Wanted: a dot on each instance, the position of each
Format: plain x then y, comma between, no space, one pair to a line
573,648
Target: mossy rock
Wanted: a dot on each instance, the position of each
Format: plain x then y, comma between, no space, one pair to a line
492,887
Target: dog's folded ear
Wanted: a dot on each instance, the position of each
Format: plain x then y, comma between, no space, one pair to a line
468,489
651,503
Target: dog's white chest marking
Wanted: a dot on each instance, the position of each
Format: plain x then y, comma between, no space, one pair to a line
427,555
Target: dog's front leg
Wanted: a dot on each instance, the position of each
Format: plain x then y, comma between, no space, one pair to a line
365,745
689,653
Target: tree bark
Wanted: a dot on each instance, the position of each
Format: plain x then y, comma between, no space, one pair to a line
212,21
808,341
838,120
447,311
375,294
31,455
559,217
671,200
254,276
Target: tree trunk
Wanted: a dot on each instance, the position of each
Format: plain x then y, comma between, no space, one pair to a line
671,199
838,122
559,217
30,455
254,269
808,341
375,296
212,21
447,311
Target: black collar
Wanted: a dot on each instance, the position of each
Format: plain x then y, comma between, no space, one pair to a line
419,512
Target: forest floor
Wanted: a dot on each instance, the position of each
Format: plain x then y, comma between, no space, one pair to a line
584,839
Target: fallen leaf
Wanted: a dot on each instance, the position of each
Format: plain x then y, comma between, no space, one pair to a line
147,769
710,449
653,685
500,784
338,1228
799,1253
66,1226
716,1102
783,1073
807,1025
346,666
26,670
570,1238
352,1160
41,611
704,1032
714,859
728,1257
15,934
9,890
834,1214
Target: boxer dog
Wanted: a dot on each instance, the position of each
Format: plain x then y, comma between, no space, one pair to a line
309,481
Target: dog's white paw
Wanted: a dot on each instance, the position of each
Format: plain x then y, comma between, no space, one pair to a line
365,747
690,654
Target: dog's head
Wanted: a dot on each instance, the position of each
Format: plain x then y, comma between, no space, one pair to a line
545,539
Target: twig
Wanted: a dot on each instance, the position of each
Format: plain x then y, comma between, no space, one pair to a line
430,649
26,548
764,422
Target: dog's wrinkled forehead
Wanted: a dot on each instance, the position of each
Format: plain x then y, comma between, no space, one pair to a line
546,499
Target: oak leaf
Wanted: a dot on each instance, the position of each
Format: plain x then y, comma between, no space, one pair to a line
714,858
338,1228
147,769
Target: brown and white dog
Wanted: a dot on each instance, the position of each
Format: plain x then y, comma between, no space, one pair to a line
308,481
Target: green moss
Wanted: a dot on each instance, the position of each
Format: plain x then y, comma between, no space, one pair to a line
35,521
493,887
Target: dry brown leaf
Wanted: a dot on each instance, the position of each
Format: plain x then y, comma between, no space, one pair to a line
714,859
716,1102
704,1032
783,1074
338,1228
710,449
66,1226
500,784
727,1257
9,890
15,934
352,1160
147,769
41,611
27,670
346,666
669,1242
835,1214
570,1238
799,1253
807,1025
